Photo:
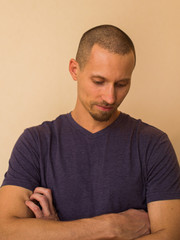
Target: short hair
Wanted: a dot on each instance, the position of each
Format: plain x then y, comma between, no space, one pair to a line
106,36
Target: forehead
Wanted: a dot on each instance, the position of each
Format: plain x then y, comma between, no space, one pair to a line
102,61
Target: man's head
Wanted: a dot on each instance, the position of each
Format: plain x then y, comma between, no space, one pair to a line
108,37
102,69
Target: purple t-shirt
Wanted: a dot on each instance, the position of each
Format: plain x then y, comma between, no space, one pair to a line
125,165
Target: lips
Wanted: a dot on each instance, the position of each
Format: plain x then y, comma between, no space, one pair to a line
104,108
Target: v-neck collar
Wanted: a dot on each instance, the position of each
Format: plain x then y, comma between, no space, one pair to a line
96,134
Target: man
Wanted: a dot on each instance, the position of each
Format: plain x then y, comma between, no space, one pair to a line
105,169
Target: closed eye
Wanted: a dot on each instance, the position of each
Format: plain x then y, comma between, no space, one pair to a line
98,83
121,85
98,80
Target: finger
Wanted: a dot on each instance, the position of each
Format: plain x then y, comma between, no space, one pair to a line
34,208
46,192
43,201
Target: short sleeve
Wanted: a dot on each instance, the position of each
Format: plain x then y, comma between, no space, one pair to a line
23,168
163,172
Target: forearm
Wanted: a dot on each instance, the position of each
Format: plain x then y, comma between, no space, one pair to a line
17,222
31,228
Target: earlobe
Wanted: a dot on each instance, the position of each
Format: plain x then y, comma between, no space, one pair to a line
73,68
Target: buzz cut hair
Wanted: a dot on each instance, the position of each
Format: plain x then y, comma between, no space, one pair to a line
108,37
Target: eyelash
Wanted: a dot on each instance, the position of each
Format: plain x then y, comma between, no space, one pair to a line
121,85
118,85
98,83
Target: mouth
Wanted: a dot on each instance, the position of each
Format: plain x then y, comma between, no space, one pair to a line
105,108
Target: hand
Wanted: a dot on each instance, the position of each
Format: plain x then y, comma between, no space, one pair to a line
46,210
130,224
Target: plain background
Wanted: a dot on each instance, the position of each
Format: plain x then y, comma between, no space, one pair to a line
38,38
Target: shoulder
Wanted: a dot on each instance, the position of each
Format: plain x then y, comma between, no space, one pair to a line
142,128
47,127
148,138
42,134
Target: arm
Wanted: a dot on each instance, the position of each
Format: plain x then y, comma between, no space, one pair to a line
164,219
17,222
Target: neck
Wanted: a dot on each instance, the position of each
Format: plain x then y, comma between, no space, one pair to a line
89,123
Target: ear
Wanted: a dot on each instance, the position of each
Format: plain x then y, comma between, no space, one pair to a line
73,68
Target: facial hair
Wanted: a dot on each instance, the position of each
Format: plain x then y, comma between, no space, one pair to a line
101,116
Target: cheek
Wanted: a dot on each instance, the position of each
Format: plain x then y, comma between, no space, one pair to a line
86,91
122,94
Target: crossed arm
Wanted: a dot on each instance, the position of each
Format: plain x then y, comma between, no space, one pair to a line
17,220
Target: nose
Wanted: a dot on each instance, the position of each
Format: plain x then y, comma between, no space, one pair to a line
109,95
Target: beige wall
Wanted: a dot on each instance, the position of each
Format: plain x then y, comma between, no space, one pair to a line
38,37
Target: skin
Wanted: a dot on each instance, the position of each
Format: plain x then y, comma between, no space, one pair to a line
43,196
102,86
131,224
17,222
95,109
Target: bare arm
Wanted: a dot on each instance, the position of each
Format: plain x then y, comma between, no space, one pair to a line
164,219
17,222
